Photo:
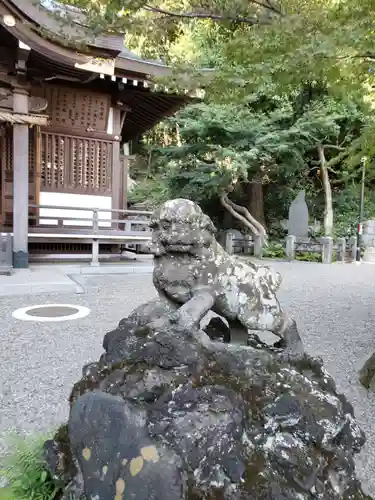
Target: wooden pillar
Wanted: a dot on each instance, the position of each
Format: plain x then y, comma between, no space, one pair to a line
125,174
116,166
20,183
38,166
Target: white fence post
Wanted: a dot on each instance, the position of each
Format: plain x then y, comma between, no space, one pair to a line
95,220
258,247
95,253
290,247
353,247
327,250
229,243
341,249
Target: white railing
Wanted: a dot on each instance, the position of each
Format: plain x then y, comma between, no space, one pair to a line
120,230
95,222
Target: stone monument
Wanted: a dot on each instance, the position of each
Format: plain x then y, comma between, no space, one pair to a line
298,221
169,414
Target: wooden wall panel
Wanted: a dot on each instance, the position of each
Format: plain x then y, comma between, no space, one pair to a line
76,154
71,164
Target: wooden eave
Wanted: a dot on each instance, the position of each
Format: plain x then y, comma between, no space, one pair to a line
43,21
151,69
51,59
40,31
55,51
22,118
147,109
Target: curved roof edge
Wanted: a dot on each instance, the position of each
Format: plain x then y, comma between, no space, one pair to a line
33,20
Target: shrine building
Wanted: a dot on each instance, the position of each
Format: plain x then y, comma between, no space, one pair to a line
68,111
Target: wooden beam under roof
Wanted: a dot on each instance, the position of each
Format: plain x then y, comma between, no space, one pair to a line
22,119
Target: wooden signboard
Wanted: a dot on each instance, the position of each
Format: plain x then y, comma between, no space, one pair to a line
77,109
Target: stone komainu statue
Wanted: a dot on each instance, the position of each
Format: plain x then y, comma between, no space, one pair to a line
168,414
190,263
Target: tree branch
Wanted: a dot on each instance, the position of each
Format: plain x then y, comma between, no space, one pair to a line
349,178
249,217
268,6
339,157
333,146
368,55
255,226
202,15
215,17
225,202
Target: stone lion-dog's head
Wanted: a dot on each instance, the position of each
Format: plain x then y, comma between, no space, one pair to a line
180,226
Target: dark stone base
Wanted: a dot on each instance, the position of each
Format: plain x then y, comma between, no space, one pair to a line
20,260
166,414
367,373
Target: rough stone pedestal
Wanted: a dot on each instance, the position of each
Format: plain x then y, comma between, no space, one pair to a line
367,373
167,414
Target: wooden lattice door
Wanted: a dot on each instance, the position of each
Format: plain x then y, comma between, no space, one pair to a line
6,173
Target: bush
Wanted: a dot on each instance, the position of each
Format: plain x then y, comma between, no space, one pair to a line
346,210
274,250
150,191
26,473
309,256
5,494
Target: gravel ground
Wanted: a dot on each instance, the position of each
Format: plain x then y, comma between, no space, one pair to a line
334,307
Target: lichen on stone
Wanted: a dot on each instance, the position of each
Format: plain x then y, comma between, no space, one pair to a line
172,412
226,422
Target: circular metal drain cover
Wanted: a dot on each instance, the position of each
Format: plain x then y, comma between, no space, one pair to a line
51,312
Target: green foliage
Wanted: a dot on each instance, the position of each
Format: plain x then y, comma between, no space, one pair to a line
225,145
346,209
252,43
312,41
274,250
288,75
309,256
273,139
151,191
312,257
5,494
26,473
364,146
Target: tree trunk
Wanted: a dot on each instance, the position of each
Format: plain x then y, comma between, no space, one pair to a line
256,201
328,208
243,215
